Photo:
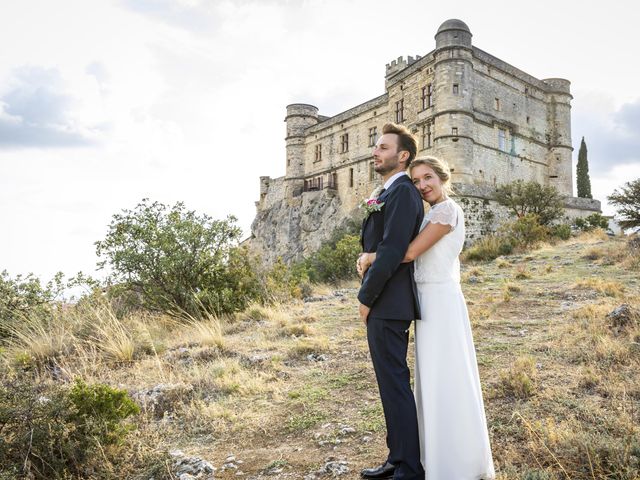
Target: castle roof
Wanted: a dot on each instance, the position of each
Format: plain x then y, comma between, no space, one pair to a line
453,24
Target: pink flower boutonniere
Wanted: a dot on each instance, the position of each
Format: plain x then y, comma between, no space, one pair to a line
371,205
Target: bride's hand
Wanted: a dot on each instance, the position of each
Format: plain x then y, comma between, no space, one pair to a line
364,262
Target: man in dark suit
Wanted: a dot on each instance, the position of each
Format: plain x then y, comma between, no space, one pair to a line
388,299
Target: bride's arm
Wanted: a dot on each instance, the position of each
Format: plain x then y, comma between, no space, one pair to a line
426,239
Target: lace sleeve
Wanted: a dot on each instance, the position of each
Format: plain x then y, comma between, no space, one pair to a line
445,214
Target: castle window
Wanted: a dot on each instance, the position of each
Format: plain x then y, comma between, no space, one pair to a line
454,130
344,143
528,119
426,97
372,172
426,135
400,111
332,179
496,104
351,177
318,155
455,89
373,136
526,90
502,139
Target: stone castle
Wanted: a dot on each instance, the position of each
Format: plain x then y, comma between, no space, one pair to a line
492,122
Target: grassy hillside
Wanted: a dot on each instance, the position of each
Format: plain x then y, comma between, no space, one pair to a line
289,392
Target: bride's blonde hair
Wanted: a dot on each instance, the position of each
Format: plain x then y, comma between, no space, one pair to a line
440,167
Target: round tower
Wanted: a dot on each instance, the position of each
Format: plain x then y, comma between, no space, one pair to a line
299,117
453,106
558,99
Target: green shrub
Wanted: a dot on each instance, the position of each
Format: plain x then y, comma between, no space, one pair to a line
526,231
178,261
489,247
286,281
561,231
627,201
54,432
591,222
531,198
25,297
335,261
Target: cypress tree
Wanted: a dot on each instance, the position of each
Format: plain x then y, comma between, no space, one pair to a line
582,172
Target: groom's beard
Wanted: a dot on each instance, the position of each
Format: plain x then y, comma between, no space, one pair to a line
388,166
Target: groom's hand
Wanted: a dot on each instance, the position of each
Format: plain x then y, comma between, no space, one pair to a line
364,313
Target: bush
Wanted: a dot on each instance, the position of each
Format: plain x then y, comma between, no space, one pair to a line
25,297
591,222
178,261
526,231
489,247
561,231
52,432
335,260
284,282
627,200
531,198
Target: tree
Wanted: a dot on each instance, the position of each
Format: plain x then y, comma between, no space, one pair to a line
628,201
178,261
24,297
582,172
590,222
524,198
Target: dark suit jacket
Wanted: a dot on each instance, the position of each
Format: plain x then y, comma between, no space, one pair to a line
388,286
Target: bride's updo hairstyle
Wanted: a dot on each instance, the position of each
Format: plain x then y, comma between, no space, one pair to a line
441,167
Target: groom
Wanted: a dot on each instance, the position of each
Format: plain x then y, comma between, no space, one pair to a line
388,300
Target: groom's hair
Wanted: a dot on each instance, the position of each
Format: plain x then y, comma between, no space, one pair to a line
406,140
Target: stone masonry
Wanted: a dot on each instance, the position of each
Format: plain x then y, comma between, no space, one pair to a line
492,123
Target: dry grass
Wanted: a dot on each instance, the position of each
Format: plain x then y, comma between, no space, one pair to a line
522,273
277,385
207,332
607,287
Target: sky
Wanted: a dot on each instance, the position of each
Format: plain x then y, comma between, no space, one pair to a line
107,102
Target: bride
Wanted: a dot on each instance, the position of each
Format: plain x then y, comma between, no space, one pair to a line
454,441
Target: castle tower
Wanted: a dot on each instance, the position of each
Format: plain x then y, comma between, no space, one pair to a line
299,117
559,134
453,33
453,82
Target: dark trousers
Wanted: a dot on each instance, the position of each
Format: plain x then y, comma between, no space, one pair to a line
388,343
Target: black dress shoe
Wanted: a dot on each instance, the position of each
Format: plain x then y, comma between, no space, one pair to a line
379,473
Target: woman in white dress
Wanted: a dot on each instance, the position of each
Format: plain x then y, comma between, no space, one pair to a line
454,441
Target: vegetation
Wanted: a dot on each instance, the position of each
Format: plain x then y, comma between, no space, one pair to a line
628,202
582,172
56,432
173,259
558,368
591,222
23,297
335,260
531,198
557,374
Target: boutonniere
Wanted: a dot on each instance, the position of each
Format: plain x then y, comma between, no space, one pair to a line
371,205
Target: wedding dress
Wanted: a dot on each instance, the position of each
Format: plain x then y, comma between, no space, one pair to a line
454,440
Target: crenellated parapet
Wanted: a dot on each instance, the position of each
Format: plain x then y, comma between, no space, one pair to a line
400,64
